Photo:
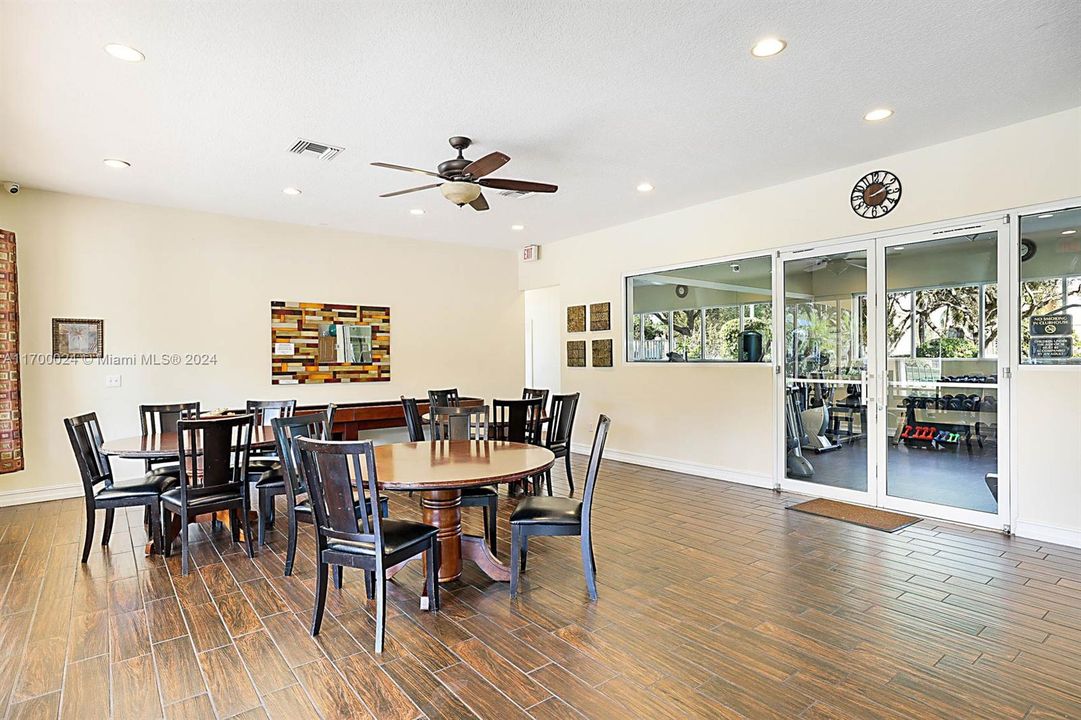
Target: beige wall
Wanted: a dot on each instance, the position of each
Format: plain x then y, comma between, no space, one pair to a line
170,281
719,419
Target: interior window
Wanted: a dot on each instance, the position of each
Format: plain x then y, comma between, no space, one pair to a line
720,312
1050,288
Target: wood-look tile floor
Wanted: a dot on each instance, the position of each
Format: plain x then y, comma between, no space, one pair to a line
714,603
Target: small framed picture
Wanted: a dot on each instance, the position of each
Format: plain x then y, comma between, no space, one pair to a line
78,338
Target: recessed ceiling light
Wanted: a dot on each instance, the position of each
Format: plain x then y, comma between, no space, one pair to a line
416,211
125,53
291,191
115,163
644,187
1068,232
1045,216
517,227
768,47
878,114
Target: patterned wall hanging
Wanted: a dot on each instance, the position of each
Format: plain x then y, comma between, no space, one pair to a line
314,343
11,425
602,353
576,318
78,338
576,353
600,317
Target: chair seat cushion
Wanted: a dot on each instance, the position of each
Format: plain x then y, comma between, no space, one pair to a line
272,477
166,469
264,462
226,495
397,534
548,511
304,507
484,491
149,486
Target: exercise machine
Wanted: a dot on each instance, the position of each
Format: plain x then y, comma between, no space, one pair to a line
798,467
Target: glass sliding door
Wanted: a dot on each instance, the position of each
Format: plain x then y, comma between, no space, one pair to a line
828,440
943,410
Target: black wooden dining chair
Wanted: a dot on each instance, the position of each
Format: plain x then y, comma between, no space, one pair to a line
548,516
287,430
444,398
101,492
541,393
517,421
558,440
213,476
414,423
469,423
264,467
336,472
158,419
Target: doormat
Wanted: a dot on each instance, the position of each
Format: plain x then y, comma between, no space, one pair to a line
856,514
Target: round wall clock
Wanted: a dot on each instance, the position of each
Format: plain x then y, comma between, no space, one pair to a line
681,291
876,194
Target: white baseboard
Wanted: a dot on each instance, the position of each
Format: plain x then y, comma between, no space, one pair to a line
39,494
1048,533
662,463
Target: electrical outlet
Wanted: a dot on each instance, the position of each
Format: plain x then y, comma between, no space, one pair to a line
112,381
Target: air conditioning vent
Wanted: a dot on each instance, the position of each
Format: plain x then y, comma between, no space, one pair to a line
311,148
513,194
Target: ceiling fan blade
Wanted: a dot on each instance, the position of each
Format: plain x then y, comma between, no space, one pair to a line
403,192
486,165
519,185
405,169
480,203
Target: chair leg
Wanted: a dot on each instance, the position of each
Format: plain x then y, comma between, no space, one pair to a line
493,513
588,567
146,515
337,577
320,597
184,545
291,549
548,480
537,484
369,584
516,555
91,512
433,575
264,516
155,524
107,529
570,479
380,607
384,508
246,519
524,549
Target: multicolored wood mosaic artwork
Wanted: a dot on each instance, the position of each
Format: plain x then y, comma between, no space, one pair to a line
11,419
576,318
295,337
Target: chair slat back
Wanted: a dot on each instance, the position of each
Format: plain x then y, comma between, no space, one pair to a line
287,430
444,398
157,419
561,421
541,393
213,454
414,423
459,423
336,474
266,410
517,420
84,432
595,456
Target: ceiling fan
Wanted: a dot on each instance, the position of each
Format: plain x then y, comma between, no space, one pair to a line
462,179
836,265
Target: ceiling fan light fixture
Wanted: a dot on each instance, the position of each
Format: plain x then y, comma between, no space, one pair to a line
460,193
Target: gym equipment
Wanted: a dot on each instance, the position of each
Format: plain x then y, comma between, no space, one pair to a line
797,466
815,419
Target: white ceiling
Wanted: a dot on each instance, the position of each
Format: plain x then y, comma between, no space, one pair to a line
595,96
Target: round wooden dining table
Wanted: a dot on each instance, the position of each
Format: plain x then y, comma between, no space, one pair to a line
440,470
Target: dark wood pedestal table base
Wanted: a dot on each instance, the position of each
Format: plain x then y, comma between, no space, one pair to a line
440,470
163,447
